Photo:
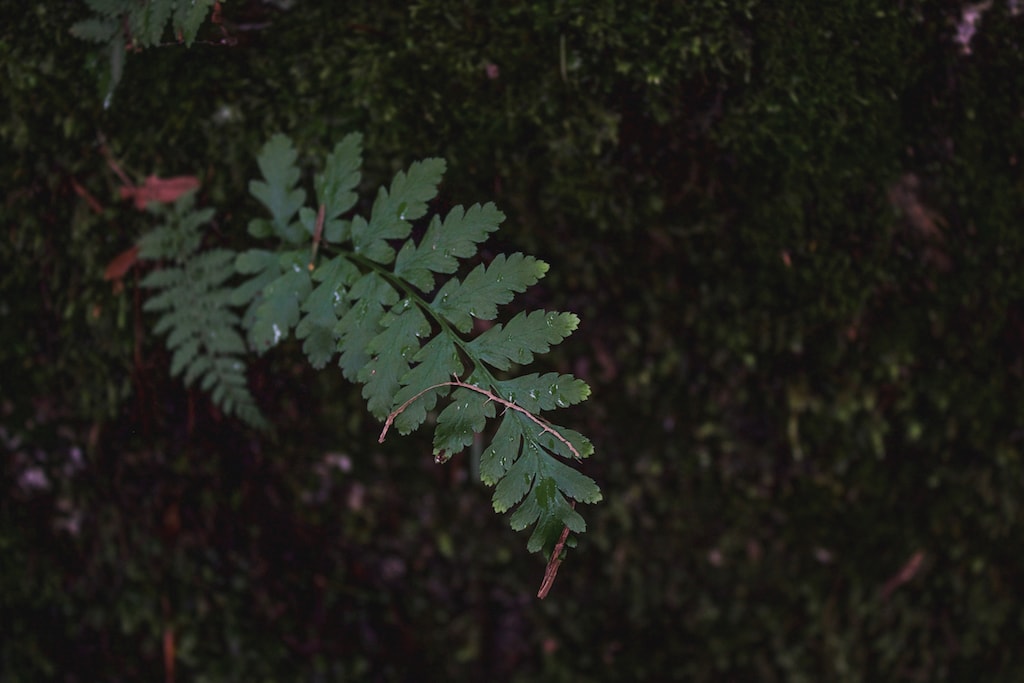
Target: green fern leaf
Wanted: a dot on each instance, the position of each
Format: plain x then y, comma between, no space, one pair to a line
144,22
279,311
445,243
264,266
322,309
436,362
362,323
548,508
581,446
570,482
536,393
496,460
523,336
189,17
194,301
278,190
110,8
393,209
465,416
518,479
391,351
175,240
335,185
479,295
96,30
545,498
150,21
365,302
555,514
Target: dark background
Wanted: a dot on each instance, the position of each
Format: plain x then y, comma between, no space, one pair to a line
792,232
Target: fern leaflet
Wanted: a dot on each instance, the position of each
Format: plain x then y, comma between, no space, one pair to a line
193,299
137,24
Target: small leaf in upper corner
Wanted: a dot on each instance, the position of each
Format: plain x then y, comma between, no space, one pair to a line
189,16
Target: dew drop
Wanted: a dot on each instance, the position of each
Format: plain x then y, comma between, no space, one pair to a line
560,402
277,333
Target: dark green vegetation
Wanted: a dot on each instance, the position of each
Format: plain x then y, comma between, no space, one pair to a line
791,232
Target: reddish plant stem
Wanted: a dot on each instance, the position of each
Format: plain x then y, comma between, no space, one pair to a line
553,563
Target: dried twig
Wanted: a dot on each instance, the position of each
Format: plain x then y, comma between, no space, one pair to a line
553,563
544,427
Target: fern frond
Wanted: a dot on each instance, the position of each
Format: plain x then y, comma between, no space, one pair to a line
194,302
411,346
143,23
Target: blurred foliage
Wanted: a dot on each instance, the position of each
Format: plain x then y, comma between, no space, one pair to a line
791,231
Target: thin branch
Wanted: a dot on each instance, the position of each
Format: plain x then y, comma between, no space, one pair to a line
554,563
317,233
544,427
